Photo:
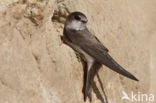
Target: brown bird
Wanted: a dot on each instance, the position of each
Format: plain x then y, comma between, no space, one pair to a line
78,37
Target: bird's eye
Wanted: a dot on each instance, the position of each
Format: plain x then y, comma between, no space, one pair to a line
77,17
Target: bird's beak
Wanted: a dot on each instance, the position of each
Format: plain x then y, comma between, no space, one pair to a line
84,20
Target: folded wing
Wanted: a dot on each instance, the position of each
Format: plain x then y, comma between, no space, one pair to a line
90,44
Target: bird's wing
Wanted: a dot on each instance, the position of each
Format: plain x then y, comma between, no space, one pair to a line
91,45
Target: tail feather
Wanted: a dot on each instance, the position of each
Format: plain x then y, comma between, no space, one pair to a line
112,64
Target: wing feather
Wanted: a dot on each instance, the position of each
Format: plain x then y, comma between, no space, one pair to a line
90,44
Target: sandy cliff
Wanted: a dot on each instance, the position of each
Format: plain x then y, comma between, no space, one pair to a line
36,67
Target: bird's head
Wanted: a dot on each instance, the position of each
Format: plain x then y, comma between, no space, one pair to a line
76,21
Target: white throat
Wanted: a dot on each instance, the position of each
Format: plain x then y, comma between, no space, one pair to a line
75,25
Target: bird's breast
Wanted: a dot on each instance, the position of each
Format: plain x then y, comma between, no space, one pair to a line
85,55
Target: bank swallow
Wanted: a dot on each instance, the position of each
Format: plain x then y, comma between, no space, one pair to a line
78,37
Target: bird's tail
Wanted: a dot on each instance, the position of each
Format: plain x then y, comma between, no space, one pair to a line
112,64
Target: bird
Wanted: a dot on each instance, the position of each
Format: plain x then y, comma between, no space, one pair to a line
77,36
